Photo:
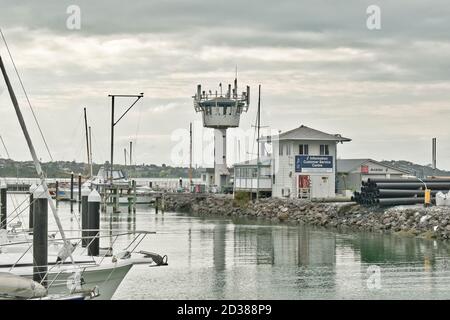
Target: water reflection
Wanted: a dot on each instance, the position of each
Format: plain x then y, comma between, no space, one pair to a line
232,258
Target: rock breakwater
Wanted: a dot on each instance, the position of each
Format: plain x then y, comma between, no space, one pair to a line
413,220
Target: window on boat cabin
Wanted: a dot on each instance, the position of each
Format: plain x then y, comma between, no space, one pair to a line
224,111
303,149
324,150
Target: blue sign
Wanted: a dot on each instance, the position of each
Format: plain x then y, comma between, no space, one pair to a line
306,164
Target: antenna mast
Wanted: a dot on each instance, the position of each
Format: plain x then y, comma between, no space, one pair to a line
87,138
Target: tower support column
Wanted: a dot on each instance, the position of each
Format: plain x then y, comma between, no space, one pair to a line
221,173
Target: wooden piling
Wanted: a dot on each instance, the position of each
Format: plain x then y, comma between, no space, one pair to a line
71,186
40,237
94,223
133,184
3,209
85,191
116,199
56,190
31,206
79,187
130,199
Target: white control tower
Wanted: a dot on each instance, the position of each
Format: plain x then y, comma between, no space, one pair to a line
220,112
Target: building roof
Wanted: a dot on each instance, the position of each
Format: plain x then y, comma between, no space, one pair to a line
306,133
264,161
348,165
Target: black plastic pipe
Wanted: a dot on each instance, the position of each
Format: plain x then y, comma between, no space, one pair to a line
398,201
413,185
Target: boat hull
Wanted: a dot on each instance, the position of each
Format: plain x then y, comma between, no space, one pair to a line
61,279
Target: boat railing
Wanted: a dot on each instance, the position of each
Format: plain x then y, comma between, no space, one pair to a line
80,267
51,232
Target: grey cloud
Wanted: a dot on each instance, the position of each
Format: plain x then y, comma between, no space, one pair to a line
316,60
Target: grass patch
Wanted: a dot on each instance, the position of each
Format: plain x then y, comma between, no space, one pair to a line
241,199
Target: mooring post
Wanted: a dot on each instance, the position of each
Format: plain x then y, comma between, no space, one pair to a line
85,191
33,187
156,204
104,192
79,187
71,186
94,223
3,210
129,197
133,184
40,237
116,200
56,190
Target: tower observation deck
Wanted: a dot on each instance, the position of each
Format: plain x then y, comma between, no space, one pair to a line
220,112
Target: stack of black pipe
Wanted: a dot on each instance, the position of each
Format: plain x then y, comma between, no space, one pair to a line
391,192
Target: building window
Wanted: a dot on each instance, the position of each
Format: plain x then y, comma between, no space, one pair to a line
254,172
303,149
238,172
280,152
324,151
288,149
204,177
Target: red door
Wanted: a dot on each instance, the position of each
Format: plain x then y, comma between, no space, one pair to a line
303,181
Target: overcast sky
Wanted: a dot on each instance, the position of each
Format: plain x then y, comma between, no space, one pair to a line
318,64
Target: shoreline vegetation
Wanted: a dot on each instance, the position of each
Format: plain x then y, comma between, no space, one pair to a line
63,169
413,220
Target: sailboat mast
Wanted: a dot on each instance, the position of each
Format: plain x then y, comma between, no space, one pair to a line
131,153
90,150
257,142
37,164
87,137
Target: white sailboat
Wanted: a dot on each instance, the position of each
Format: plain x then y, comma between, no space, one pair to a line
86,273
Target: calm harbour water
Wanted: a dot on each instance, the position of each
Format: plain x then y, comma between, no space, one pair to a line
229,258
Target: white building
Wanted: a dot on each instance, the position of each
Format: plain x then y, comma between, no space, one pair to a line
351,173
303,163
206,177
246,176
